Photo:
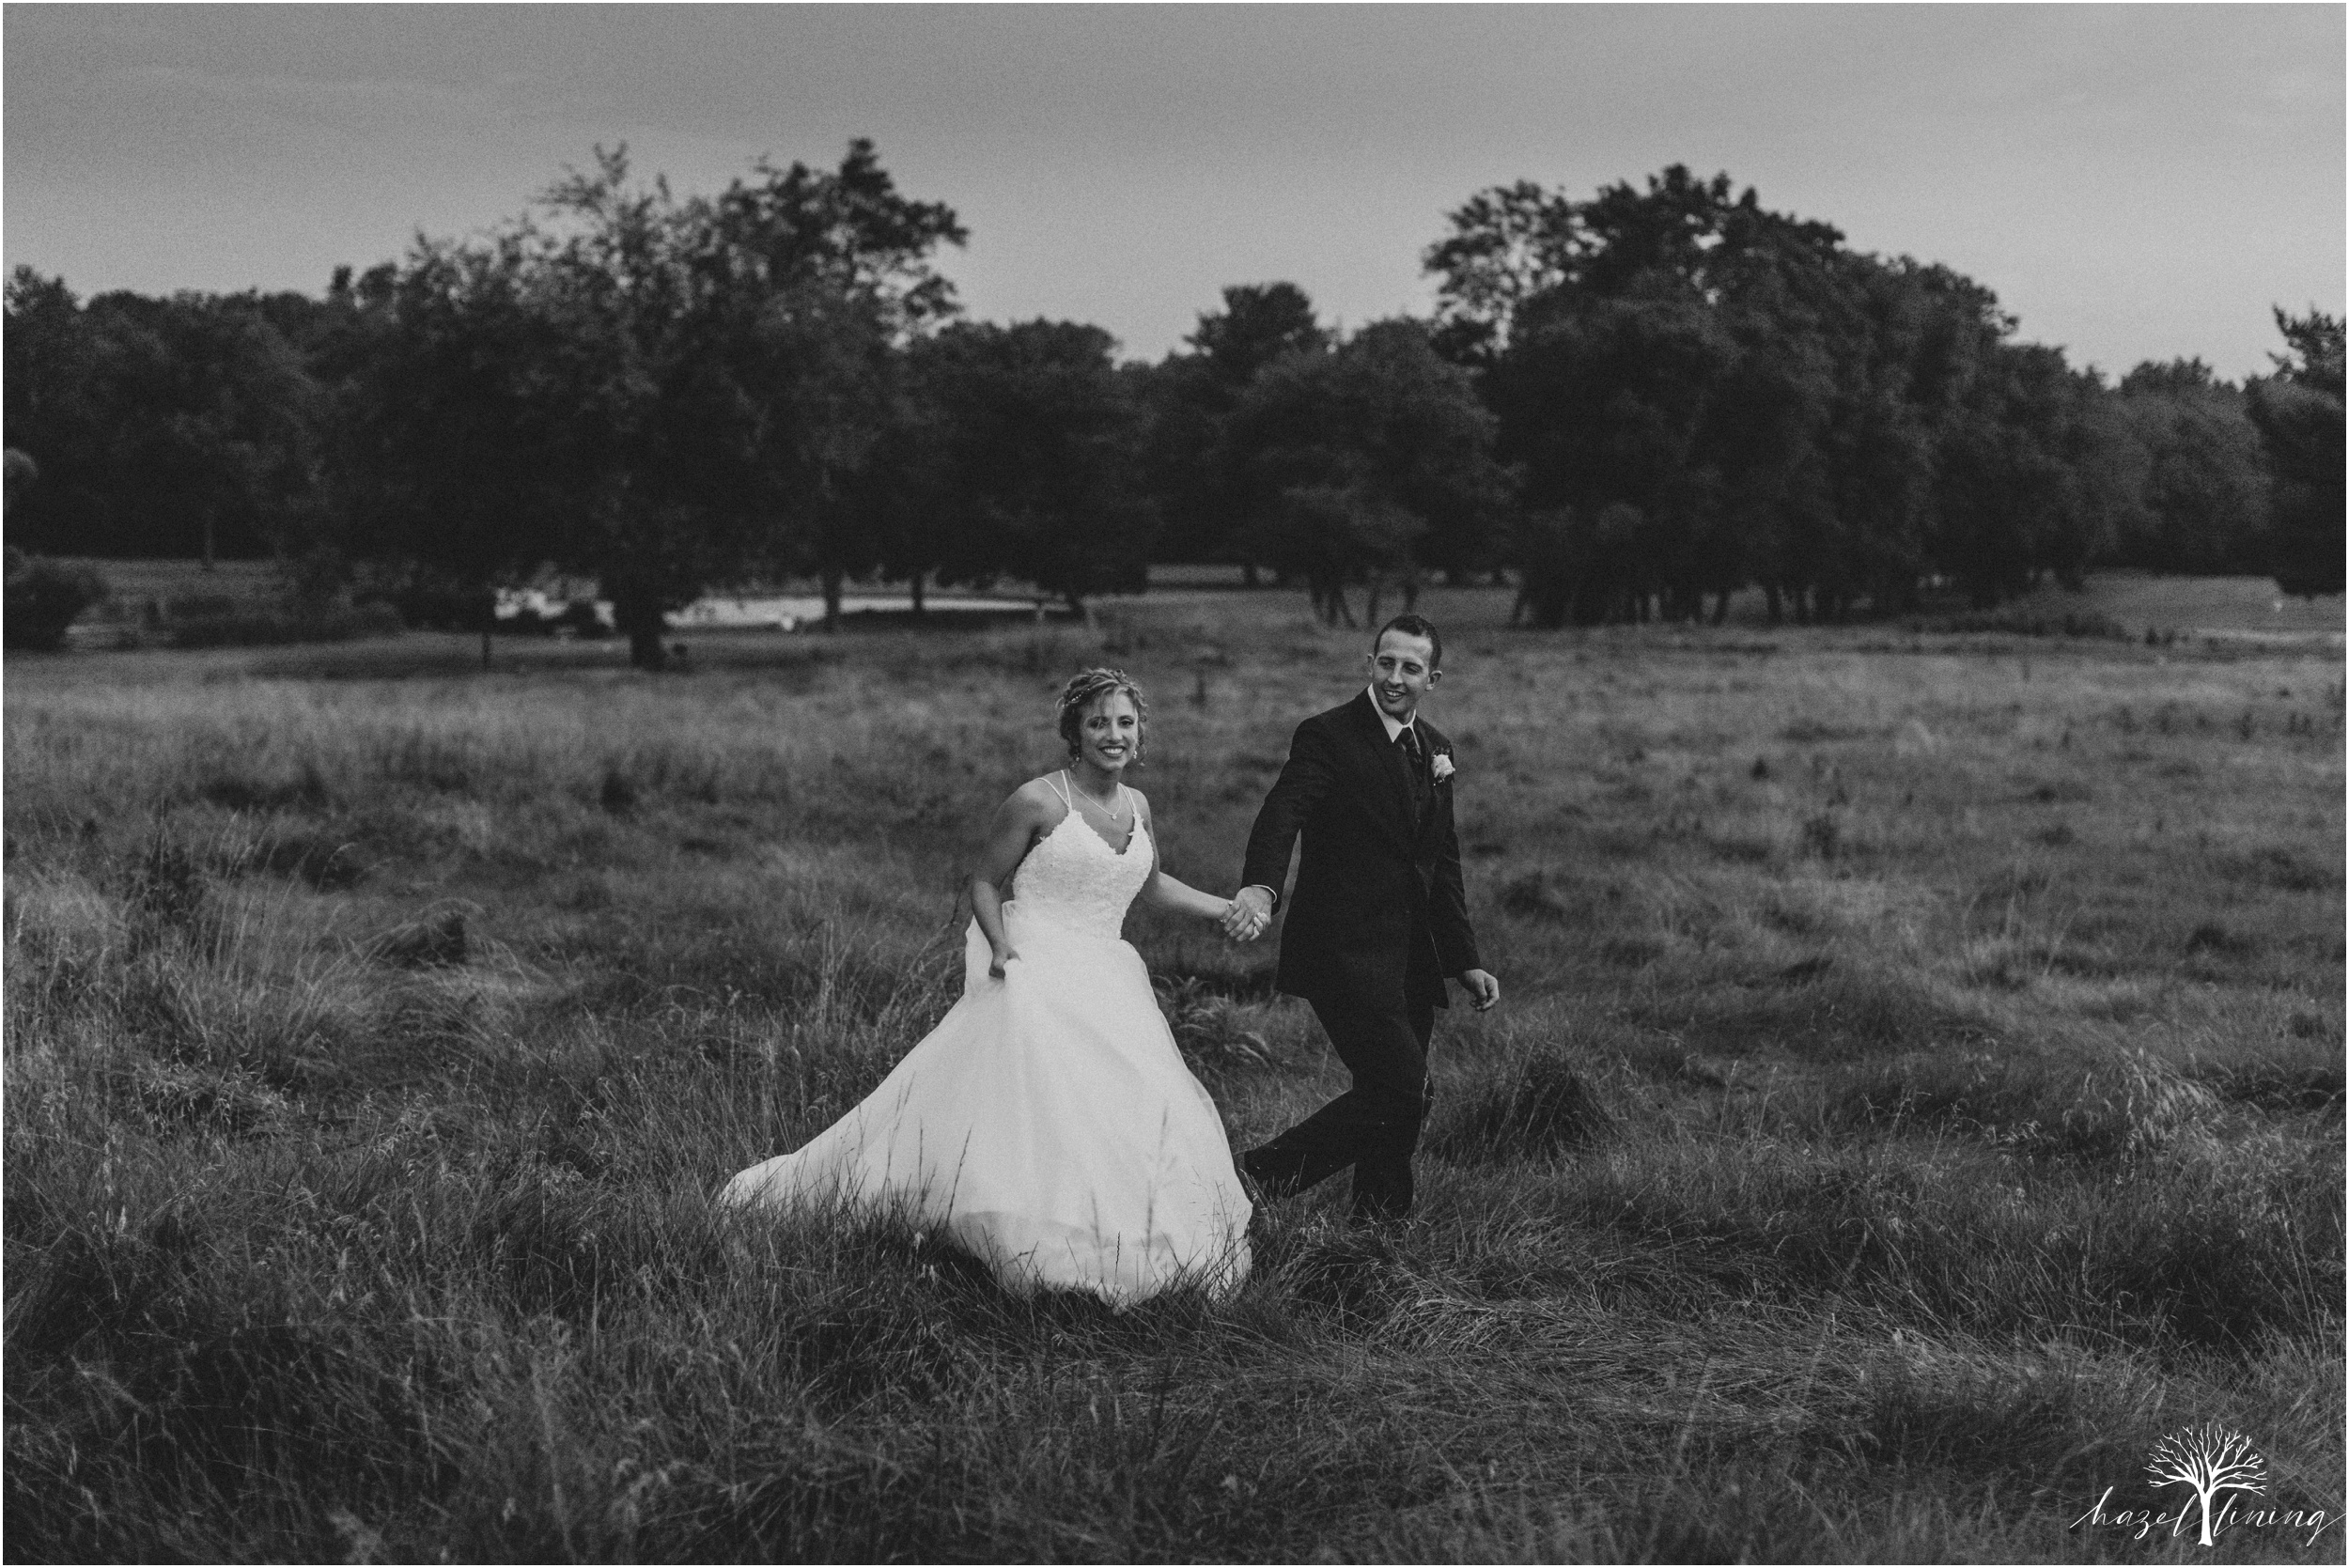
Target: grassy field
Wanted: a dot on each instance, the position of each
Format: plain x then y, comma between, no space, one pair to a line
1918,1090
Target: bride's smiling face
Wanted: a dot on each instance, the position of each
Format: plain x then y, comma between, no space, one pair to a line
1110,734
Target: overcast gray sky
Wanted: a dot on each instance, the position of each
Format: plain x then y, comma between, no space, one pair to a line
2135,183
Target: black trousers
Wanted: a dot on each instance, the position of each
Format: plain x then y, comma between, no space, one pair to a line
1373,1126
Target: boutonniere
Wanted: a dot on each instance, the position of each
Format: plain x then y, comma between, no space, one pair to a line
1442,766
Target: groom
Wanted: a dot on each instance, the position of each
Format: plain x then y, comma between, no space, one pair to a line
1377,920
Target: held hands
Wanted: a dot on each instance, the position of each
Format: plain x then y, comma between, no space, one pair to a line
1483,989
1246,916
1003,956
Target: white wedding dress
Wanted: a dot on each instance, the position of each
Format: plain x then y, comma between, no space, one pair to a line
1047,1123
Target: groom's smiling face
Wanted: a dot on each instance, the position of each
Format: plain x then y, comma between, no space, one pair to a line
1401,668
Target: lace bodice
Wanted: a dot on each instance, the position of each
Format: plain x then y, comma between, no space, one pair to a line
1073,880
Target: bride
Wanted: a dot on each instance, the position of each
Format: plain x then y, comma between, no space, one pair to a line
1047,1123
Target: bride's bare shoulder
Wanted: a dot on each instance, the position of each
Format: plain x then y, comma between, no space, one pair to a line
1038,800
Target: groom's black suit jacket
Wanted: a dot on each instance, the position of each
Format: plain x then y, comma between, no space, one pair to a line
1379,915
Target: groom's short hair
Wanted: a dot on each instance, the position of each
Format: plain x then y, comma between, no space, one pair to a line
1414,625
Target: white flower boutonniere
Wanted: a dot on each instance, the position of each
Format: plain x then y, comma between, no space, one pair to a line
1442,766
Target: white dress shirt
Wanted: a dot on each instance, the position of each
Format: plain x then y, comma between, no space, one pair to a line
1394,726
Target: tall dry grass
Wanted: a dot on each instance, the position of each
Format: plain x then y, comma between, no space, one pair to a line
1919,1088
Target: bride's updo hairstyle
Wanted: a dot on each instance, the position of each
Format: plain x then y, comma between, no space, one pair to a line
1087,686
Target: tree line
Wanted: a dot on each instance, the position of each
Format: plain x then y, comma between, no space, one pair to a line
1697,394
1636,405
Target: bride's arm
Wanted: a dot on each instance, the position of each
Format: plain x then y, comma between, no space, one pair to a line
1162,892
1014,829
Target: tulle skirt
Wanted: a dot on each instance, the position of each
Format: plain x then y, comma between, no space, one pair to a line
1048,1124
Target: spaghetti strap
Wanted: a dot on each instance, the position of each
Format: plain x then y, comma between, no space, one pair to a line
1062,793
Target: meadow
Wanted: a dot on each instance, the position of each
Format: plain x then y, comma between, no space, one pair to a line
1918,1089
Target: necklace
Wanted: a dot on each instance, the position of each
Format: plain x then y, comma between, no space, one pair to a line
1082,794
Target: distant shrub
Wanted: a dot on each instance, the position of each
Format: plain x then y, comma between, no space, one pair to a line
44,598
288,623
2020,622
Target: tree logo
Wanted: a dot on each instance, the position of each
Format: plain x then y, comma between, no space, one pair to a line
2212,1460
2217,1464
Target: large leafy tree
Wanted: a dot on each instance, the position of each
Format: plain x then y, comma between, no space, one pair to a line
1744,399
661,393
1192,467
676,454
1259,324
1674,354
180,427
1035,441
449,470
2205,491
831,275
1367,464
1610,401
2299,414
1507,245
52,410
738,364
2007,500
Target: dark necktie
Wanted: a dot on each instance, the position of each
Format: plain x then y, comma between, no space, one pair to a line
1415,765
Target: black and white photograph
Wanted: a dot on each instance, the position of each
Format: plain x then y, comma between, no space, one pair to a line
1236,784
